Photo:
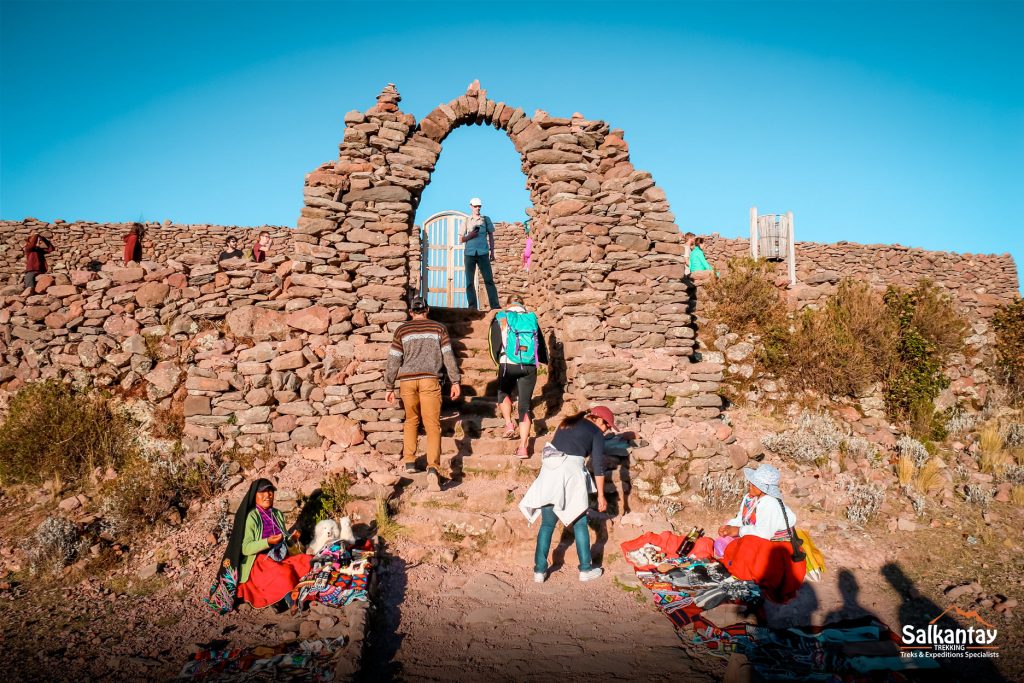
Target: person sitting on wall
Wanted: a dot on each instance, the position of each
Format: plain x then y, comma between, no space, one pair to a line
517,346
760,544
36,248
261,248
479,240
133,244
231,250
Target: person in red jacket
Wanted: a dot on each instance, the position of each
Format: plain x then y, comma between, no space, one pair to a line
36,248
133,244
260,249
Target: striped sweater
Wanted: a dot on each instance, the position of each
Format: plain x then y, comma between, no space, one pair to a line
419,349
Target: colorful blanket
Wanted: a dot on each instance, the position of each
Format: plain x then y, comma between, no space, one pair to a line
339,575
683,588
308,660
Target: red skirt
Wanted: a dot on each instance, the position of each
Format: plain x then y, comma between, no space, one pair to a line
768,563
270,581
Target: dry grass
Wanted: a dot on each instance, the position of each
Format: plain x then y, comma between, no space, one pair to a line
745,298
930,476
52,429
905,469
386,526
992,457
1017,495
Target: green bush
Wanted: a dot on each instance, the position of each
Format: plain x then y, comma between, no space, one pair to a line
327,502
1009,327
52,429
930,330
840,349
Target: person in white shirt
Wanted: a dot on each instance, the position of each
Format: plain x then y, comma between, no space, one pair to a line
762,512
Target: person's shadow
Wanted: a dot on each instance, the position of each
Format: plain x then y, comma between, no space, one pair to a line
383,639
850,608
917,610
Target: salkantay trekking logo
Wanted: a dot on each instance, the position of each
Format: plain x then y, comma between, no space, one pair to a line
959,641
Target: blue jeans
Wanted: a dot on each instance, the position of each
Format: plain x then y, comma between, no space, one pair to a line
547,530
483,262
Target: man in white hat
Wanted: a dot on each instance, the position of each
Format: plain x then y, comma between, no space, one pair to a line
478,236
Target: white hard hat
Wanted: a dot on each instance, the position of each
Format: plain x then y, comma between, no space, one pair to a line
475,201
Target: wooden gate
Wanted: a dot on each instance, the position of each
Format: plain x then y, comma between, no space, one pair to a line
444,278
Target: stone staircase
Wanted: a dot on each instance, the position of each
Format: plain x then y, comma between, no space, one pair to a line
478,505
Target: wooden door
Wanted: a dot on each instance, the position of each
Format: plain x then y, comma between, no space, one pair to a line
445,271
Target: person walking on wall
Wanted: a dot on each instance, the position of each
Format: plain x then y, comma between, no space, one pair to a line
563,487
478,237
133,244
419,349
36,248
517,346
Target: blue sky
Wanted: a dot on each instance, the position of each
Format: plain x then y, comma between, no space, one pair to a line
872,122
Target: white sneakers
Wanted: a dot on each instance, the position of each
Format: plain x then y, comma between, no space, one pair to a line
539,577
592,574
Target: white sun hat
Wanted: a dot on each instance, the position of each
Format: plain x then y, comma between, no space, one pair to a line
475,201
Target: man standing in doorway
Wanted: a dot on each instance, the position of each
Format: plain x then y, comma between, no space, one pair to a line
479,240
419,349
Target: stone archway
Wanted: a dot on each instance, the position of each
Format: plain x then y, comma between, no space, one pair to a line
608,264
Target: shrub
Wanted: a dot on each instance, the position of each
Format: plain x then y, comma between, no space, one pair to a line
721,491
992,458
976,494
1017,495
959,422
745,297
53,546
1013,434
53,429
146,491
929,330
384,523
813,439
842,348
327,502
1009,364
913,449
864,501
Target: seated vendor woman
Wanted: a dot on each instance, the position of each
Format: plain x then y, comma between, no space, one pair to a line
267,572
757,544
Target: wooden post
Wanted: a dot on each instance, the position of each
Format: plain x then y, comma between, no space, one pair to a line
791,257
753,232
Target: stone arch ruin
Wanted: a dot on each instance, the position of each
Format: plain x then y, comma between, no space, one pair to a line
608,264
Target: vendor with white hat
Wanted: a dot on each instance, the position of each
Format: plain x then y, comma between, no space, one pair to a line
762,512
478,236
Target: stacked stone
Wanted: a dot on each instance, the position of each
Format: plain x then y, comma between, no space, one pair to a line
82,244
599,226
509,276
979,282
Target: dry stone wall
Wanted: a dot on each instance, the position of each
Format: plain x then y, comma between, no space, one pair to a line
607,276
979,282
79,244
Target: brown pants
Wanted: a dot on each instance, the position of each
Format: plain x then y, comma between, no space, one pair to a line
421,399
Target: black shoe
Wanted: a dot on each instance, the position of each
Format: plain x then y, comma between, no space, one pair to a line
410,468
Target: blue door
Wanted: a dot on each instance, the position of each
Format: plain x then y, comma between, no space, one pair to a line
444,279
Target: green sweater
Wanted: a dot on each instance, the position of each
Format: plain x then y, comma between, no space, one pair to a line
697,260
252,543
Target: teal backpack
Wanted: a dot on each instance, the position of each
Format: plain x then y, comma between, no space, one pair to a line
520,337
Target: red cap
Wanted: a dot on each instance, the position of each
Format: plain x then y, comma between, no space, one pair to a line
605,414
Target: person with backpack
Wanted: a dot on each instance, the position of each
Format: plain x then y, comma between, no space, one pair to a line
563,487
419,349
517,347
